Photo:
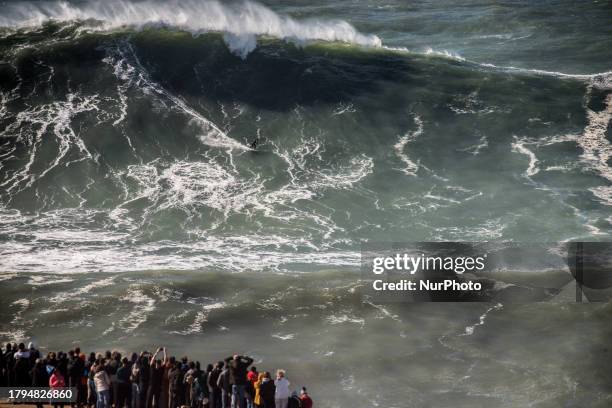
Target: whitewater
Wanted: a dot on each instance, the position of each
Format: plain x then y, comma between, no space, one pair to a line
132,207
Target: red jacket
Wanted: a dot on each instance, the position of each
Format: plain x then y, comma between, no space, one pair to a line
252,376
306,401
56,380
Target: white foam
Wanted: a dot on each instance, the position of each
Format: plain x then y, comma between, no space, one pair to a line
7,276
411,167
471,104
133,74
519,146
344,318
491,229
13,335
201,317
597,150
143,306
558,74
384,312
191,185
475,149
34,123
85,290
343,108
444,53
23,303
310,176
469,330
284,337
124,72
244,252
241,21
47,280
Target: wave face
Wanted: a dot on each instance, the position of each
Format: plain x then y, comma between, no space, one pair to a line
124,133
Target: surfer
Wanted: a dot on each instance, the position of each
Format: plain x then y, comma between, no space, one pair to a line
254,143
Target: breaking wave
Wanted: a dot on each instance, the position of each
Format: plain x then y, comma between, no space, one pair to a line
241,22
128,149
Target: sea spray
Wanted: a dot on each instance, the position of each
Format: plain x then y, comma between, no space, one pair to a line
241,21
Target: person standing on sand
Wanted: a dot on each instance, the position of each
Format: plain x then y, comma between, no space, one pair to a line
294,401
200,394
164,397
123,384
306,400
3,369
189,378
82,400
176,378
135,379
111,367
22,352
143,379
34,353
76,366
91,386
226,388
238,377
258,401
57,381
282,394
267,389
62,363
155,379
103,385
51,359
203,380
40,377
213,385
252,376
9,361
22,367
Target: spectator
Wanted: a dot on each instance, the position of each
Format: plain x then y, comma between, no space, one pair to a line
282,394
306,400
103,385
56,381
238,378
267,390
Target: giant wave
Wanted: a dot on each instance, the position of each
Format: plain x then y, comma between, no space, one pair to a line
241,22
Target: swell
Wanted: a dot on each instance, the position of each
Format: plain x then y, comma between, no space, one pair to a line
145,130
243,25
240,21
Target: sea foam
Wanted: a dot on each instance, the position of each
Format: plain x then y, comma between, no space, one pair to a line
241,22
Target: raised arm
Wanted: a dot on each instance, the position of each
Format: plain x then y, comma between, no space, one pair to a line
152,359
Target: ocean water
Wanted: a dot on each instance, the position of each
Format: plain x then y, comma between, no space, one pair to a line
132,208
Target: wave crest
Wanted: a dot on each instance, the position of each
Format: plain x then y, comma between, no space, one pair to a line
242,22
